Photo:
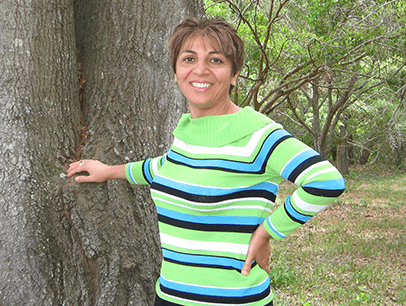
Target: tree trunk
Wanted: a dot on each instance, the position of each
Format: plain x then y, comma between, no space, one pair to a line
62,243
342,152
316,118
39,117
363,159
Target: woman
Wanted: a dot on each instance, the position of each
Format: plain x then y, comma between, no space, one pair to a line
215,188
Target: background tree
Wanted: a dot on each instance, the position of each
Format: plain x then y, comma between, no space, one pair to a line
315,63
62,243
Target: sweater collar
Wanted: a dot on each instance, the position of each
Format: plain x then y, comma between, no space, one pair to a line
219,130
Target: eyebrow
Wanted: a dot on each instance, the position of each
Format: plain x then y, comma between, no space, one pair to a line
194,52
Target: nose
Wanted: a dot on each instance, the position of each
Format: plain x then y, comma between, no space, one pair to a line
200,68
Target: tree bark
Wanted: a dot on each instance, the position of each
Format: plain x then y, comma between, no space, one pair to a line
39,118
62,243
318,145
342,152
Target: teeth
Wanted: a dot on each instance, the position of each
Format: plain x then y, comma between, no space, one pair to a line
201,85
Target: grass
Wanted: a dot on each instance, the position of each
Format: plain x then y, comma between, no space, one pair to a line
353,253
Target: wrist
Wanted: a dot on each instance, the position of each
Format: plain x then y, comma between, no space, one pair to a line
262,233
116,172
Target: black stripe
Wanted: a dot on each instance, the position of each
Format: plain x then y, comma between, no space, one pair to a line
233,228
260,171
206,265
199,265
263,168
291,217
265,194
143,173
324,192
161,302
207,167
217,299
304,165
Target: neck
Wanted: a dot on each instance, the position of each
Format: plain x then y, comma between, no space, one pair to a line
224,109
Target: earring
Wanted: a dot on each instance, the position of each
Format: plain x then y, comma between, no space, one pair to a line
176,79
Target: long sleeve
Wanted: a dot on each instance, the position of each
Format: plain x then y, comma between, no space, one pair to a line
318,181
143,172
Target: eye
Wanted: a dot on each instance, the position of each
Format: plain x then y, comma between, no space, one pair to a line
216,60
188,59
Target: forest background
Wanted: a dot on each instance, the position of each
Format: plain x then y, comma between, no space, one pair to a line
332,71
91,79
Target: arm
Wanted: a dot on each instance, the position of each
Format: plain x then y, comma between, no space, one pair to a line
98,172
319,183
140,172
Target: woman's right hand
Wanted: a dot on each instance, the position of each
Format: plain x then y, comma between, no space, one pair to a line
98,172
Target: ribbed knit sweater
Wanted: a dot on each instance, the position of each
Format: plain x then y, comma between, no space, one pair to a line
213,188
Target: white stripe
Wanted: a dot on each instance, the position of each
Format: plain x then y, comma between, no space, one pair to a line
309,169
214,209
204,186
274,228
287,164
307,206
228,247
155,165
131,174
214,186
245,151
331,169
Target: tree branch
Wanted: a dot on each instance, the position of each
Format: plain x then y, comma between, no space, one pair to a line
298,118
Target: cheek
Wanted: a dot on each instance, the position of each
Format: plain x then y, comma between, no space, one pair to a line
181,73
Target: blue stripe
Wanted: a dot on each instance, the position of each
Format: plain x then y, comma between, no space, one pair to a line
268,221
257,166
337,184
203,260
212,291
294,214
295,162
234,220
147,172
212,191
130,173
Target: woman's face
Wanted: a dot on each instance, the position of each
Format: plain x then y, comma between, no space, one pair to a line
204,75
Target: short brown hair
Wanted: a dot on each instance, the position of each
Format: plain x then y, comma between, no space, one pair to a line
216,30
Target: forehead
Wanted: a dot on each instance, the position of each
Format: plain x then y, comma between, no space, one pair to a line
200,41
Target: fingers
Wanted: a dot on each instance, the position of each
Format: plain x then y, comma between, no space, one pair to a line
258,250
76,167
262,259
84,179
265,266
246,268
97,172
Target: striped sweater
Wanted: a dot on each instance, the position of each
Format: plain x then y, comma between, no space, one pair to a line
213,188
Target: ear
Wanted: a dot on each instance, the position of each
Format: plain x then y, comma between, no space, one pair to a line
234,78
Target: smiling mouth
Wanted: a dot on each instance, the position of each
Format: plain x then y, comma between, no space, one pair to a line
201,85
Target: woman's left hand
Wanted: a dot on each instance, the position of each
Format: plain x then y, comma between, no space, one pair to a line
258,250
